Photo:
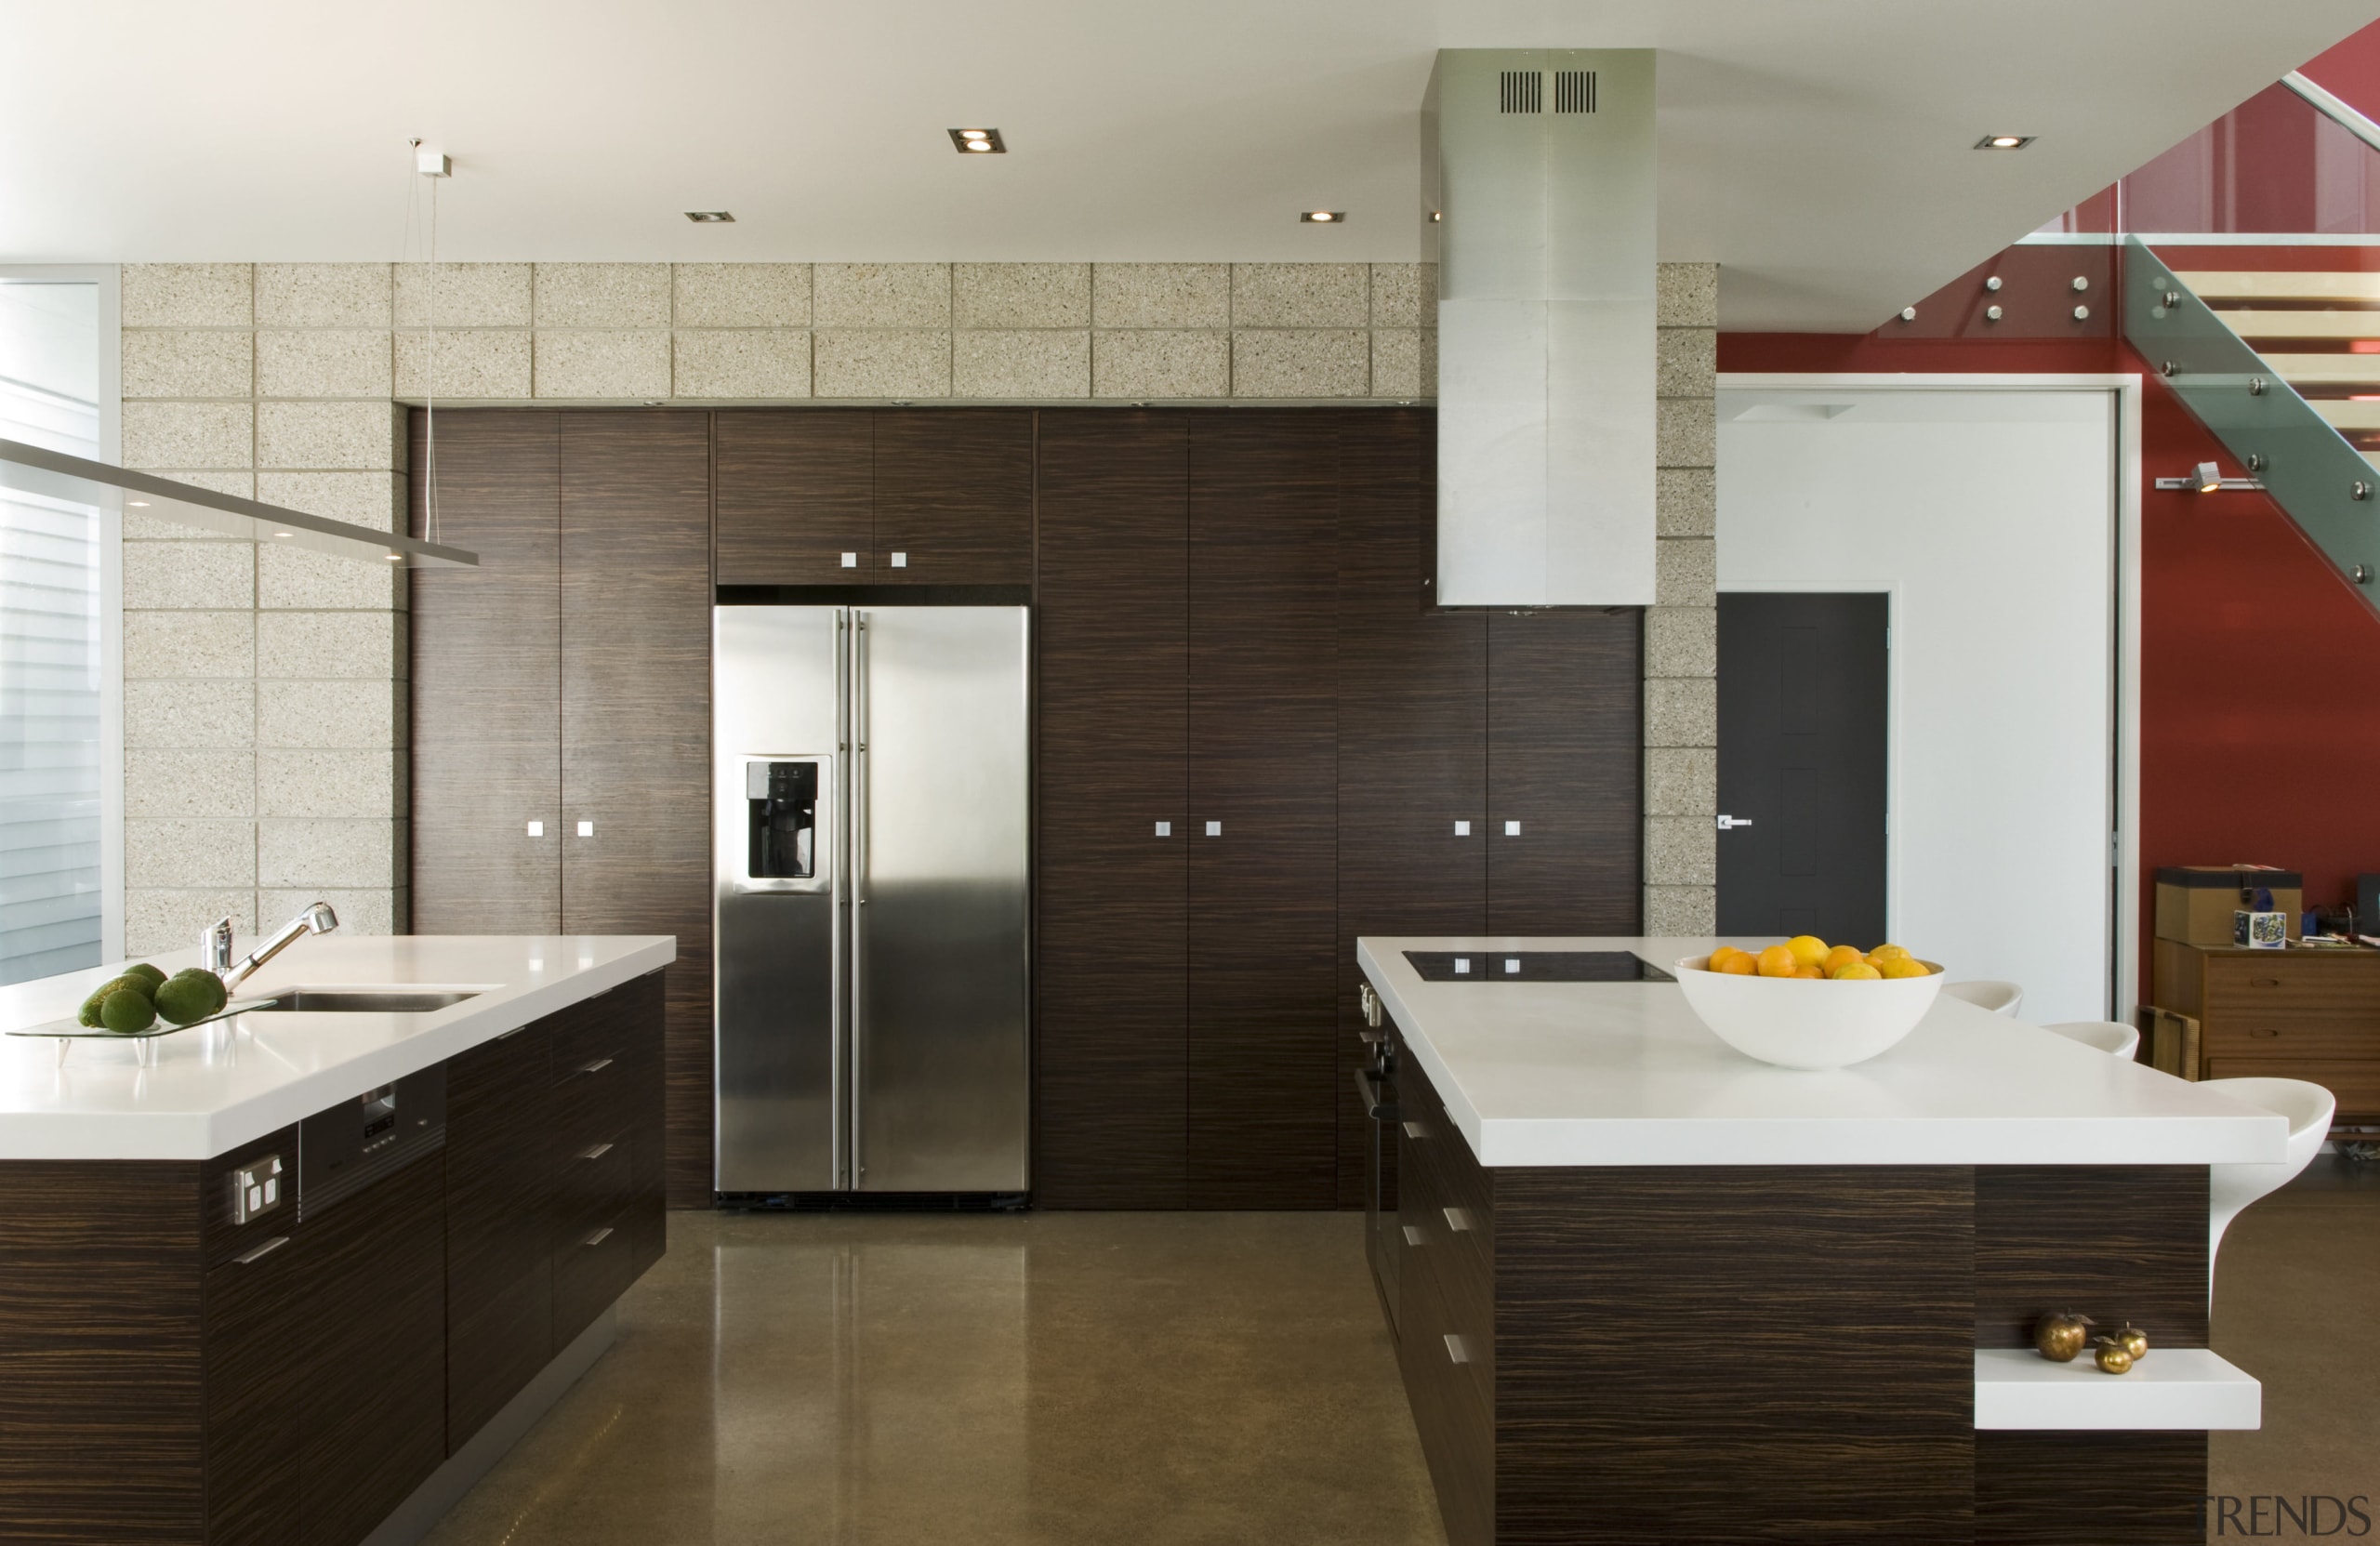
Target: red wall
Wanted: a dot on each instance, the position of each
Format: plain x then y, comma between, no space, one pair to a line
2260,663
2350,71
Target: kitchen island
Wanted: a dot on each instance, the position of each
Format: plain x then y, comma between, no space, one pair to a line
303,1274
1647,1289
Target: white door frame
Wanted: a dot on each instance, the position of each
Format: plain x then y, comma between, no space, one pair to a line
2125,799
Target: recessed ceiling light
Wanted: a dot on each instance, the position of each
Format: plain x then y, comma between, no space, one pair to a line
396,557
2003,141
989,141
137,504
281,533
710,216
1322,217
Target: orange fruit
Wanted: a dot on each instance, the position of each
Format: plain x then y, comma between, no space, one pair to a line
1721,957
1856,971
1842,954
1811,972
1904,966
1808,949
1738,965
1777,961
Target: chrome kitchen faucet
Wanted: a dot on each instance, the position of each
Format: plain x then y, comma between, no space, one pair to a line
214,944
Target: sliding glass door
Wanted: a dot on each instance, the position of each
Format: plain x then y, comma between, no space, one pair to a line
56,699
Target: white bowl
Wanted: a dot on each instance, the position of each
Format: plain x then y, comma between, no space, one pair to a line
1805,1023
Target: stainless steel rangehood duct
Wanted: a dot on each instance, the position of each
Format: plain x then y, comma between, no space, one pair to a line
1538,207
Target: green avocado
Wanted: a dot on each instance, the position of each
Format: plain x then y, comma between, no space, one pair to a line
128,1009
142,968
189,996
89,1013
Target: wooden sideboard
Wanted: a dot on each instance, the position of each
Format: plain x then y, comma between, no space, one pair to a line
2296,1014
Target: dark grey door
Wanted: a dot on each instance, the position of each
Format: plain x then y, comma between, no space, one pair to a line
1802,720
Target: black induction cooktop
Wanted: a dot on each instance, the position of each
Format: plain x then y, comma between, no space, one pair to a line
1535,965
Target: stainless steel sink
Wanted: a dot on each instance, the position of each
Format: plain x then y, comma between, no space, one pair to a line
375,1000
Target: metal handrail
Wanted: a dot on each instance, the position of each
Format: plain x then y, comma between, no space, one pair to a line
2332,107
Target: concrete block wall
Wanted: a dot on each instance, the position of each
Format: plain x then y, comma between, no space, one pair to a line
265,688
1682,627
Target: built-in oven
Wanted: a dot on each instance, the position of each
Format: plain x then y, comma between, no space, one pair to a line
1376,1090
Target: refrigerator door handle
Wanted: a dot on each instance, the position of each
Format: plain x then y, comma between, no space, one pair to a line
839,988
856,1038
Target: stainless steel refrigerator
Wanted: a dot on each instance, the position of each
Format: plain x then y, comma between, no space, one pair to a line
869,901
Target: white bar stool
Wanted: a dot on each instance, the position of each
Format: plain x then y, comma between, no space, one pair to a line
2116,1041
2231,1188
1999,998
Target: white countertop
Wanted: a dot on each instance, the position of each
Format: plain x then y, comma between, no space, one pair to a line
1624,1074
214,1087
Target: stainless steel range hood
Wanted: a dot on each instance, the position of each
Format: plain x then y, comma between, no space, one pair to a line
1537,207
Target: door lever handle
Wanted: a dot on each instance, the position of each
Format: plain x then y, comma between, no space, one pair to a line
1730,823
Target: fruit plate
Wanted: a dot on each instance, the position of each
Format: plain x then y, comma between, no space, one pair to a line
67,1031
1799,1022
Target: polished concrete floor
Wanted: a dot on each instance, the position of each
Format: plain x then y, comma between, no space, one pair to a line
1157,1378
1128,1380
2294,1305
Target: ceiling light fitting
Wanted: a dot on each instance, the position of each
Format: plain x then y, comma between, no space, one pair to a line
980,142
1322,217
2003,141
710,216
431,161
2206,478
55,475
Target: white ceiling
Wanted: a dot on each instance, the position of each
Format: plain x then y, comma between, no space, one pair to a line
1819,149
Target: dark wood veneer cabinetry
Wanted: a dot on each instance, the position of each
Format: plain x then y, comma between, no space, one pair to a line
953,495
1564,741
1267,571
1234,626
1412,734
587,630
917,496
1263,844
500,1217
372,1398
168,1378
487,678
1635,1355
797,491
1114,633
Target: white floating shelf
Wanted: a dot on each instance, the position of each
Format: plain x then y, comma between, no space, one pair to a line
2174,1387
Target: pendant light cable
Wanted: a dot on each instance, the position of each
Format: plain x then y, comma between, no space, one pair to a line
429,386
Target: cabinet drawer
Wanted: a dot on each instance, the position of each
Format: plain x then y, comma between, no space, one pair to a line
2293,1038
592,1267
584,1045
596,1103
592,1183
2357,1085
1456,1428
2292,983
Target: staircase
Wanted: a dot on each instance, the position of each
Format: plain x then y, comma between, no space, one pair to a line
2318,329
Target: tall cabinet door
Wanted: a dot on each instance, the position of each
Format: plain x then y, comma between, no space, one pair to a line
796,492
1263,888
1564,806
1114,761
1412,732
954,497
636,587
486,670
